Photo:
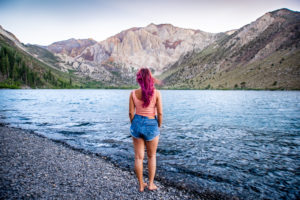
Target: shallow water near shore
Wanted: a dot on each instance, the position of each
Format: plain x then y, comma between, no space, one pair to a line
242,143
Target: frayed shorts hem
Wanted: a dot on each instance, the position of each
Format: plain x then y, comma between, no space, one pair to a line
143,127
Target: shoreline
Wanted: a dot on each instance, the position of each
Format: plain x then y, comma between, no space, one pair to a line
34,166
225,89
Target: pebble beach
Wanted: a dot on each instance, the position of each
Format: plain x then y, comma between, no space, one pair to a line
35,167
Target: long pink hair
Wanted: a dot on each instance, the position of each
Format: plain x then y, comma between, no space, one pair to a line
146,81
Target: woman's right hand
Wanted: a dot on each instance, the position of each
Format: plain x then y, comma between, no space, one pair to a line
159,109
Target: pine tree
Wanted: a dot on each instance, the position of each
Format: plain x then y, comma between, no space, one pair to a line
2,66
49,76
28,78
26,75
23,72
2,57
15,72
6,65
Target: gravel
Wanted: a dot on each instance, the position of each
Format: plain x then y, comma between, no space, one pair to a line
35,167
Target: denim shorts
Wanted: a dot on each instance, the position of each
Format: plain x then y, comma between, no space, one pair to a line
143,127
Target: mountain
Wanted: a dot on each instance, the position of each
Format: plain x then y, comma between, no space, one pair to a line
261,55
154,46
264,54
71,47
31,66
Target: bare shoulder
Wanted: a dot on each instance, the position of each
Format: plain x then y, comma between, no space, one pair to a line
157,93
131,93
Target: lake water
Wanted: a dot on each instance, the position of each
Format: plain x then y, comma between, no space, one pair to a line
242,143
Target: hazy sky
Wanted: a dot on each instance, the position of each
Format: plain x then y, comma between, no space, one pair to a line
46,21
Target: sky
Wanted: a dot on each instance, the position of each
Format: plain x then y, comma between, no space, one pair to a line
46,21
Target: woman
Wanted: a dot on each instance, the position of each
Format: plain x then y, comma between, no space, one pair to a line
146,103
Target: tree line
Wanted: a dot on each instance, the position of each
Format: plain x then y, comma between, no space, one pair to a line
16,70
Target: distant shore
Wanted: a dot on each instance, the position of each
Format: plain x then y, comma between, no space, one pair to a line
131,88
33,166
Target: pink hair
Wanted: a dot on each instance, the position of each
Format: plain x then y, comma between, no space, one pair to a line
146,81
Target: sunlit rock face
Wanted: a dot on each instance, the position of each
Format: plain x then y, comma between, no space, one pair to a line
263,54
153,46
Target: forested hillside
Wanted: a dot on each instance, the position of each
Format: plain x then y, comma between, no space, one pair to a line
19,70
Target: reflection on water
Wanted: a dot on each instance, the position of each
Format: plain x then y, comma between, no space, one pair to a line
244,143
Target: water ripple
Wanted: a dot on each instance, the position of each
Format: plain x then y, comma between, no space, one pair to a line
244,143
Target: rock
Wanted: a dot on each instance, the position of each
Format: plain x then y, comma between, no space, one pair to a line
31,174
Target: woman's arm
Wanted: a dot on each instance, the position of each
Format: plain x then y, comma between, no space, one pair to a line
131,107
159,109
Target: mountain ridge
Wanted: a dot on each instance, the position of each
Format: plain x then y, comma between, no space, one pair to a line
239,60
185,58
30,66
155,46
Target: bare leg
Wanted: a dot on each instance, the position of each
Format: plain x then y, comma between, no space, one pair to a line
139,152
151,154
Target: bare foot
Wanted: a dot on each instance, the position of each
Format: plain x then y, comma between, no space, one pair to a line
142,187
152,187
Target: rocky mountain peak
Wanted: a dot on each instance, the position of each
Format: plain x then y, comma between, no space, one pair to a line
71,47
12,37
154,46
230,32
282,12
157,46
9,34
262,54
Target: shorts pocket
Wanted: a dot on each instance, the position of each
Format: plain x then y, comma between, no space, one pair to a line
133,125
151,122
152,128
134,118
133,129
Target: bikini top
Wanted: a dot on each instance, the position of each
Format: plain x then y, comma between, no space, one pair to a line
150,110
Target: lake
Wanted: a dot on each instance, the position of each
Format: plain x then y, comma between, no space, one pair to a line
242,143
